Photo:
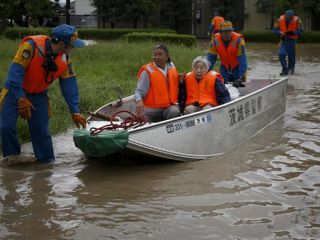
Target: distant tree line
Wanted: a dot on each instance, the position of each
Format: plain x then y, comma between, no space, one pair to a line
174,14
26,12
150,13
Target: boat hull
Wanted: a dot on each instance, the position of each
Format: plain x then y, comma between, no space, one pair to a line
211,132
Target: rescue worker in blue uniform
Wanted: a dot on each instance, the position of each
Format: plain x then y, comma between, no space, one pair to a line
230,47
289,28
38,62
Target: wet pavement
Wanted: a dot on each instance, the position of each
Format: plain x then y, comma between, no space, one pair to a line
267,188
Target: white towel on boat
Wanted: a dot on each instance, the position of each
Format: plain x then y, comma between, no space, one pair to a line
234,92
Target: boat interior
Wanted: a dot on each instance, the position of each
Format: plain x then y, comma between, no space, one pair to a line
121,108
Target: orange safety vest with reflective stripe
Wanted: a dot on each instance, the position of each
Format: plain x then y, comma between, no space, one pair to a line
35,74
228,56
163,91
293,26
202,92
216,22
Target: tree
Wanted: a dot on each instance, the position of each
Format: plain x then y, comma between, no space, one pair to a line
15,10
109,11
231,10
269,7
4,13
312,10
38,10
177,13
115,11
311,5
11,12
136,9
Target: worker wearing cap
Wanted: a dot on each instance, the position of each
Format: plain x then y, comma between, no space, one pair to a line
230,47
289,28
39,61
214,27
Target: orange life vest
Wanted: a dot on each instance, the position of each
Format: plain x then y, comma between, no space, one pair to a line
293,26
228,56
202,92
35,74
216,22
163,91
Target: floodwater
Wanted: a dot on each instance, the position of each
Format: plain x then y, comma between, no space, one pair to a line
268,188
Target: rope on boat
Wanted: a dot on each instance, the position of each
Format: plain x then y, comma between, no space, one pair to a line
131,121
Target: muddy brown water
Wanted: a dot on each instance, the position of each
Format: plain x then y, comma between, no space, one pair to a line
268,188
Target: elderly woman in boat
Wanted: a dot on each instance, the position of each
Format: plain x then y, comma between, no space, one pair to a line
156,94
204,89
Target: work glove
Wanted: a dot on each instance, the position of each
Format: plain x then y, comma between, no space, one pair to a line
79,120
289,33
24,108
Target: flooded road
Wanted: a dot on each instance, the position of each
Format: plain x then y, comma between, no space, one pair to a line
268,188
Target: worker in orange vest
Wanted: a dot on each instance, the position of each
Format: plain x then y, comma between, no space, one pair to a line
39,61
157,89
214,27
289,28
230,47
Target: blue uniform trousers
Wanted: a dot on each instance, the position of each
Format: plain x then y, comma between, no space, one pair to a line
287,48
38,127
0,131
229,76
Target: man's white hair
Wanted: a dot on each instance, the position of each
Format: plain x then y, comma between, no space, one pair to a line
202,59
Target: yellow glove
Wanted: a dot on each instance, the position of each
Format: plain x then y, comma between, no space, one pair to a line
79,120
24,108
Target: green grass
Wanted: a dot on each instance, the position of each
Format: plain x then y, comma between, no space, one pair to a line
101,69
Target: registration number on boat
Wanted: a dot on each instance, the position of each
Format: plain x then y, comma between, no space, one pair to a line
188,123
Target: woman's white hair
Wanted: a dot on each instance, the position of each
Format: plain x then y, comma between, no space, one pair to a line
202,59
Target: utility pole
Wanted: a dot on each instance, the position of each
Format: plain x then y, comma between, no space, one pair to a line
68,12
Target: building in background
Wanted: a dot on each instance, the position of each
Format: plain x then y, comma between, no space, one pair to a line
191,16
82,13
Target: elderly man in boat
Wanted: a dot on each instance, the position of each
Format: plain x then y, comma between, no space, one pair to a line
204,89
157,89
